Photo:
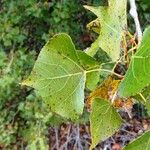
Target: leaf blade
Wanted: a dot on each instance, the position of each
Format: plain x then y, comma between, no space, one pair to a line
142,142
58,77
102,122
138,74
112,24
88,63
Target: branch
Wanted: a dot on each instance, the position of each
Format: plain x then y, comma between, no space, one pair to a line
134,14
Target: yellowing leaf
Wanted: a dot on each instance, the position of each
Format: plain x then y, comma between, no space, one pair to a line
94,25
112,20
104,91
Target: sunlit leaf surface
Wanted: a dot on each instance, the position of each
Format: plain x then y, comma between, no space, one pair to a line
112,23
59,76
138,74
104,121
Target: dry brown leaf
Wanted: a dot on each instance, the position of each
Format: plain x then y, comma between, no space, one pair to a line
106,91
123,103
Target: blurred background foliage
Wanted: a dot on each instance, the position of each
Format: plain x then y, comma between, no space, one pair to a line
25,26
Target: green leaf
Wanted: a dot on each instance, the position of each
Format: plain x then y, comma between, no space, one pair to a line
94,48
42,144
112,24
32,146
104,121
57,120
89,63
59,77
141,143
39,143
138,74
143,95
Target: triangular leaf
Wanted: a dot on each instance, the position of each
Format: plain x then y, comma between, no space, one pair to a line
104,121
59,77
138,74
141,143
112,23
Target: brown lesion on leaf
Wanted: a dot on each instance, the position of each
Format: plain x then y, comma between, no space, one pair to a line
106,91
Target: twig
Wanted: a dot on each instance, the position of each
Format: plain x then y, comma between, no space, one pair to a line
143,98
131,133
118,75
114,97
77,144
56,136
68,139
134,14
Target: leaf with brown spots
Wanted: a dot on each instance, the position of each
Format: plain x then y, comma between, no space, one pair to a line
105,91
111,26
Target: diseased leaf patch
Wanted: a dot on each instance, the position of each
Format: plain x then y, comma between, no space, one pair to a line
108,91
95,26
105,91
111,26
